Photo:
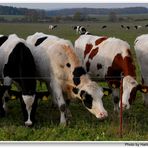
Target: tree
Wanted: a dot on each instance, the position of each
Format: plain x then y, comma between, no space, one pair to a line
113,17
77,16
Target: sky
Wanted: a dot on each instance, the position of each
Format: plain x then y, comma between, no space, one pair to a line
55,6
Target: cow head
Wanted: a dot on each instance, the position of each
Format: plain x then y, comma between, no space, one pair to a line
91,95
129,88
75,27
128,91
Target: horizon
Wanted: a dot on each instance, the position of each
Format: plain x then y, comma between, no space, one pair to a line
58,6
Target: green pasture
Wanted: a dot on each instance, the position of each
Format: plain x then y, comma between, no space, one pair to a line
12,17
83,125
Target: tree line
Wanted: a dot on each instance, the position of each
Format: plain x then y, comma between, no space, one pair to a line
74,14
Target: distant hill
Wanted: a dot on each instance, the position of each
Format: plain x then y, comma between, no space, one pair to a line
98,11
7,10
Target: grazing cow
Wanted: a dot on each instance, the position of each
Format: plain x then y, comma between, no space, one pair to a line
60,68
51,27
127,27
137,27
109,59
122,26
17,64
103,27
141,46
80,29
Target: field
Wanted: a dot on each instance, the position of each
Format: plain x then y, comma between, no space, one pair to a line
83,126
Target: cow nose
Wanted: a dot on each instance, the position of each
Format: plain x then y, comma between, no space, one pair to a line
102,115
28,123
125,106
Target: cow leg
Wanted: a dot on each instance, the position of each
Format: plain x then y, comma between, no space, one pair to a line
116,96
2,110
68,112
58,96
29,103
4,94
145,98
145,95
5,97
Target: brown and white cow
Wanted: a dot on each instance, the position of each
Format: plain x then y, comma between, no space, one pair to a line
61,69
141,48
110,59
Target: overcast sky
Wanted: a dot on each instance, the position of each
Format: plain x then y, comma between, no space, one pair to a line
52,6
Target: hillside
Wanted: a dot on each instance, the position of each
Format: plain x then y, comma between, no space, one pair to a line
98,11
7,10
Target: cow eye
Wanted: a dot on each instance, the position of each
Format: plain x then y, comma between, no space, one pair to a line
82,93
88,101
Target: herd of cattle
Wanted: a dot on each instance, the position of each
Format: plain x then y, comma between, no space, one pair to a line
71,72
126,27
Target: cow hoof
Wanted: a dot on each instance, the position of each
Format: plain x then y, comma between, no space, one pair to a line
63,124
68,121
116,111
28,124
68,115
116,108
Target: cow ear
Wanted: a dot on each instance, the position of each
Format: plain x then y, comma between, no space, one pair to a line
142,88
107,91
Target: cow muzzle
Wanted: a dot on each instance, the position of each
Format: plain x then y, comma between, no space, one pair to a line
102,115
125,106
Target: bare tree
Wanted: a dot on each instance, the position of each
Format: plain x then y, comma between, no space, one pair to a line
113,17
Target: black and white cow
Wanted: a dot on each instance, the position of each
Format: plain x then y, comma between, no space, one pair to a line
127,27
103,27
80,29
51,27
60,68
17,64
122,26
137,27
110,59
141,49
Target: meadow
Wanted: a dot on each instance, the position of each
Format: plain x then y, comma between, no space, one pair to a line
83,125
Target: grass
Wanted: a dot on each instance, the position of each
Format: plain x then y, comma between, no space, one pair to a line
83,126
12,17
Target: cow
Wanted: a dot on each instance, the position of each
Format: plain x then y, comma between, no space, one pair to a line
127,27
141,46
122,26
110,59
61,69
80,29
103,27
51,27
17,65
137,27
146,25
